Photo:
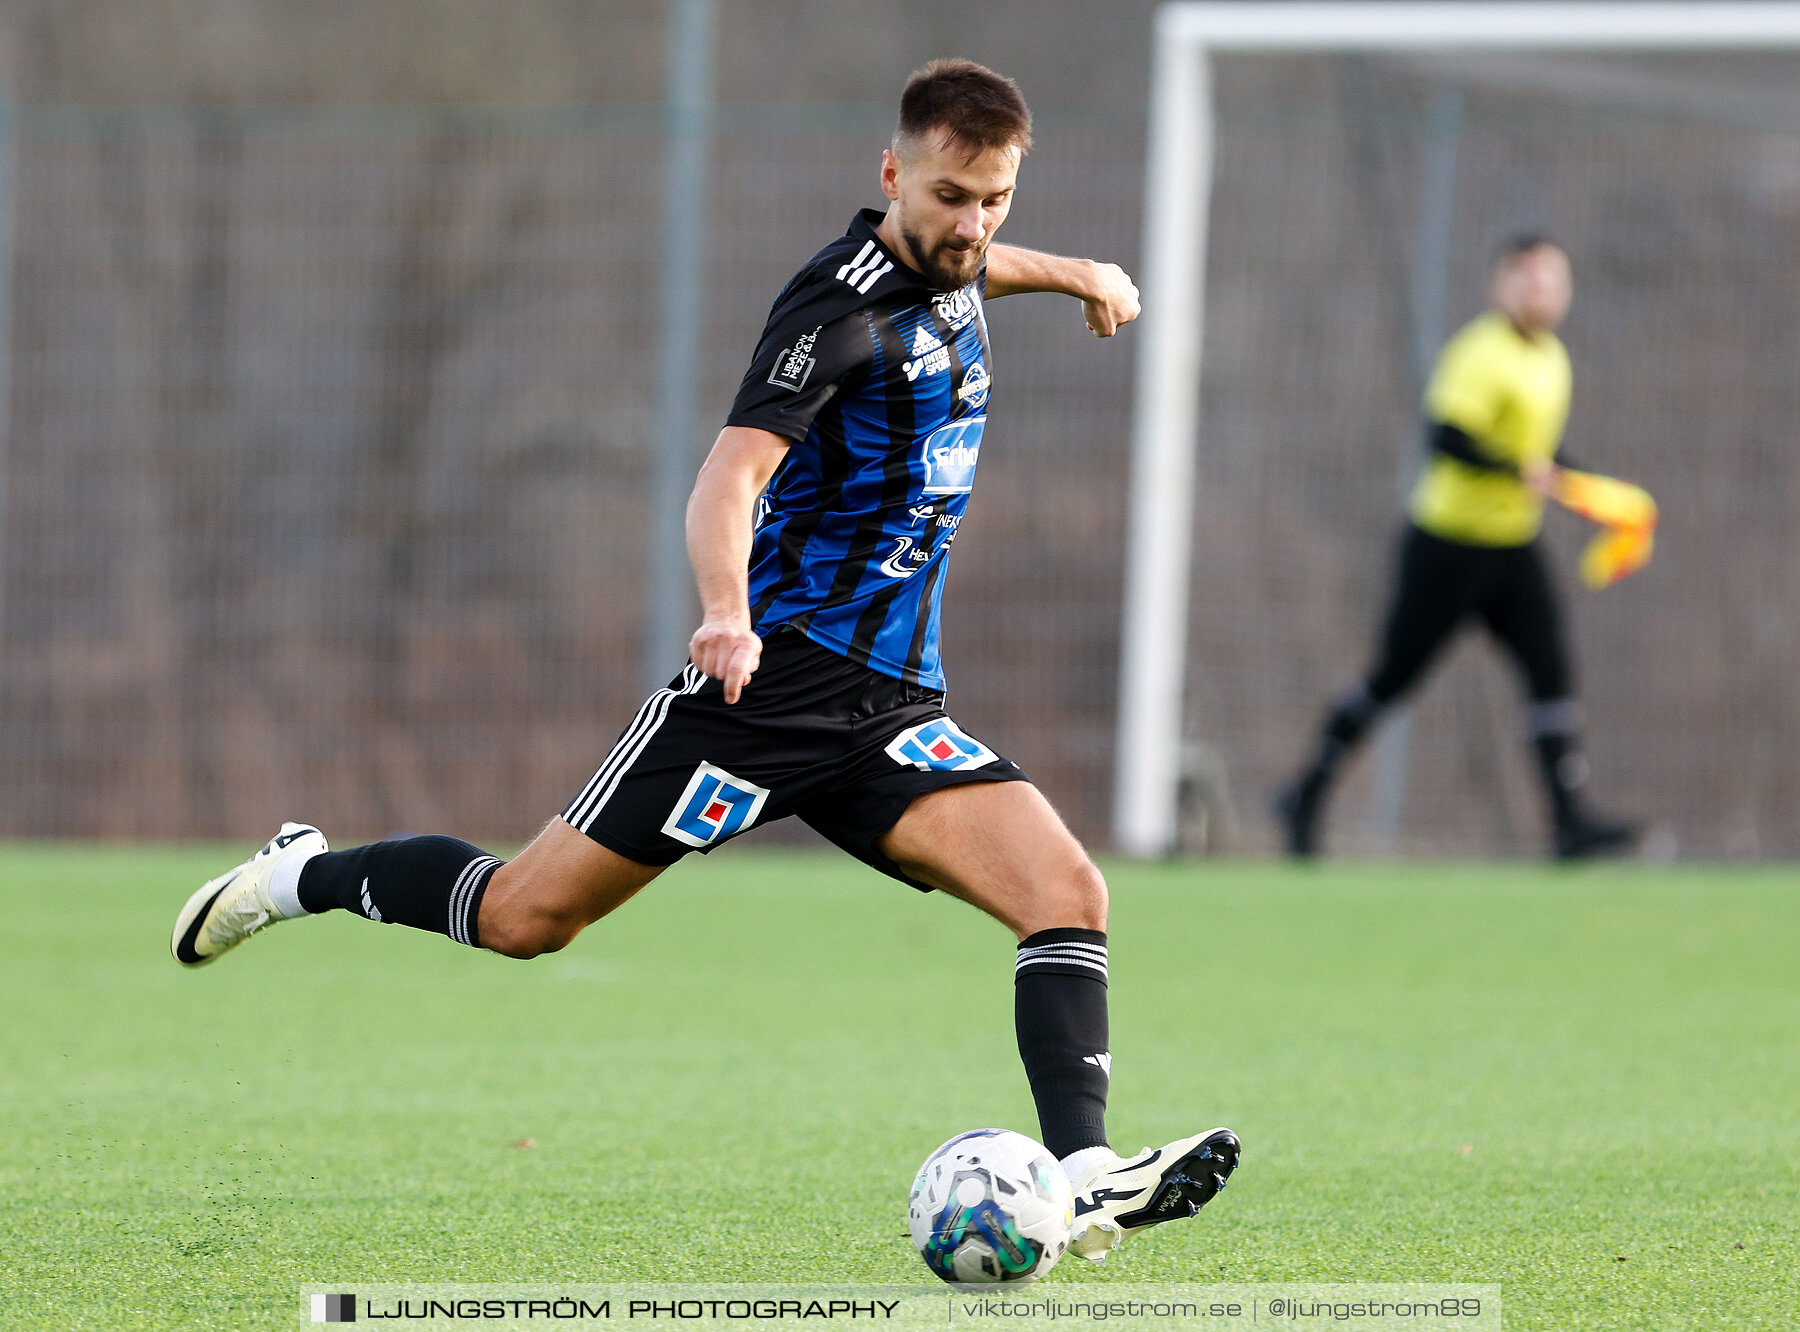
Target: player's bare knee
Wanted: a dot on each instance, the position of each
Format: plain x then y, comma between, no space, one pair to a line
1087,897
525,934
514,922
1074,898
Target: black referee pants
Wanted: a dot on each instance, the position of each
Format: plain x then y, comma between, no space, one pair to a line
1441,584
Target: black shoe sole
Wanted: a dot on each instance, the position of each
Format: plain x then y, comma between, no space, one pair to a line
1591,842
1190,1183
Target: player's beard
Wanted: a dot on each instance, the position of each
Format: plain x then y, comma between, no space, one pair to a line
945,269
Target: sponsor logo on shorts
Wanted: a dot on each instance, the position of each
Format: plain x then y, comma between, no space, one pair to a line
950,454
715,806
939,746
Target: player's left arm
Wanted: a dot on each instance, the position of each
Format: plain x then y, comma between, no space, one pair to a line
1109,298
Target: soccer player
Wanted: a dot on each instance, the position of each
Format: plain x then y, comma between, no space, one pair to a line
1496,406
819,530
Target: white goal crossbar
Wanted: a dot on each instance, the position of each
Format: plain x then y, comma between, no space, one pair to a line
1177,190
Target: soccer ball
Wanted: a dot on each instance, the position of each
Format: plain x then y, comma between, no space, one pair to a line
990,1206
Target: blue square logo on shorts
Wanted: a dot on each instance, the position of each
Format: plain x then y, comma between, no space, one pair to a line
939,746
714,806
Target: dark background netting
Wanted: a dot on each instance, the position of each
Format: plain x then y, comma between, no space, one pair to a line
330,430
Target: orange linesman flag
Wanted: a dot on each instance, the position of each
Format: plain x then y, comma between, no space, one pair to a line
1627,517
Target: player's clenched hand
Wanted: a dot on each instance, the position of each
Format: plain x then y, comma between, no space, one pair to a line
1111,301
727,650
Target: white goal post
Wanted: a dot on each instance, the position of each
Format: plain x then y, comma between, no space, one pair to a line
1177,191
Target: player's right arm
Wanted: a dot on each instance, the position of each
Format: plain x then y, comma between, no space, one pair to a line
815,344
719,527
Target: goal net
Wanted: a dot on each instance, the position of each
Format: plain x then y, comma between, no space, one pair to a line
1326,184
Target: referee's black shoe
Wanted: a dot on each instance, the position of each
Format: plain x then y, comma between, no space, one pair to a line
1584,835
1298,807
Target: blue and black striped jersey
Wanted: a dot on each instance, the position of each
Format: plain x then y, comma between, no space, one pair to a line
882,384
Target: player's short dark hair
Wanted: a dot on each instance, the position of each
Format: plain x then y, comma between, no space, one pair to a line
966,103
1521,243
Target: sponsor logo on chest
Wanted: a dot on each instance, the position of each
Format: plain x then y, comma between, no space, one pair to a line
972,393
956,308
950,454
929,355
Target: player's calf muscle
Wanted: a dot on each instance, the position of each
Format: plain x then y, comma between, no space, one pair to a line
516,926
557,886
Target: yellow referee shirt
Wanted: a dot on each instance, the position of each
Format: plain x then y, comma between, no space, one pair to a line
1510,394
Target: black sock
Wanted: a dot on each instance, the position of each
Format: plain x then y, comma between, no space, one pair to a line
1563,768
1345,725
430,883
1059,1008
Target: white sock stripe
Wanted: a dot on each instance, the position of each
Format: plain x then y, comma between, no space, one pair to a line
1026,950
454,914
1063,950
1555,716
1041,963
463,894
459,901
582,808
459,895
622,760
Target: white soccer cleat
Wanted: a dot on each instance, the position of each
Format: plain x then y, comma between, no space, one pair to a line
236,905
1118,1198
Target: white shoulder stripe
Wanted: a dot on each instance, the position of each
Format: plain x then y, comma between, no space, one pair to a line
874,277
862,257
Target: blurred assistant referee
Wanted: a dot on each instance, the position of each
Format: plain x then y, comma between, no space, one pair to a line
1495,409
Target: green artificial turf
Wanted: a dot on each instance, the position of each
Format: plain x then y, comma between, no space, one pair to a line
1582,1085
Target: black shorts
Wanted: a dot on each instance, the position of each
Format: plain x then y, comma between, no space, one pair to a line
1442,584
845,748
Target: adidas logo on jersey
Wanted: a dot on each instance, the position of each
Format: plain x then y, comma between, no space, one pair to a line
930,356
